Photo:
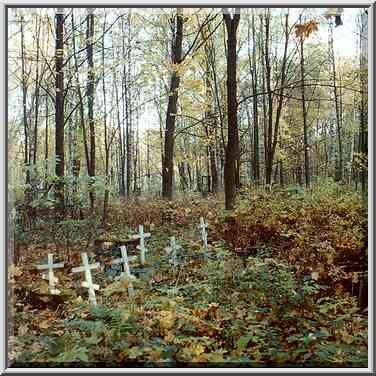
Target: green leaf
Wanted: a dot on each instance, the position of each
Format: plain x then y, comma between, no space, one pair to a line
243,341
94,340
82,355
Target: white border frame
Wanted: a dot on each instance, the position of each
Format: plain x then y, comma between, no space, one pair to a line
169,3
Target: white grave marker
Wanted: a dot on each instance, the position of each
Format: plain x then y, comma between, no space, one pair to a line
88,283
50,274
142,236
172,250
204,235
127,273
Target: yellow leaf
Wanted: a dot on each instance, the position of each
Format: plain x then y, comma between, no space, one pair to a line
166,319
197,348
23,330
44,324
347,338
315,276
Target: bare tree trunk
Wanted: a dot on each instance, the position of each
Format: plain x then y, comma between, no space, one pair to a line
304,109
210,123
122,184
272,135
59,109
136,184
106,141
339,169
37,91
268,79
90,97
232,149
46,147
80,102
254,77
168,158
24,101
363,132
128,140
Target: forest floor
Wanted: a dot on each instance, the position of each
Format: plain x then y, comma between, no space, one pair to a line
283,286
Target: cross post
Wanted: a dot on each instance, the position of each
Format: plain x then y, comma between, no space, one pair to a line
204,235
88,283
142,236
127,273
50,274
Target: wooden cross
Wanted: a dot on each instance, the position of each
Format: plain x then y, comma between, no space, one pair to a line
172,250
127,273
142,236
88,283
50,274
204,235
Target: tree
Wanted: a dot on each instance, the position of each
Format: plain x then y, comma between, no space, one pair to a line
90,97
24,101
232,148
59,108
339,169
254,77
168,157
304,110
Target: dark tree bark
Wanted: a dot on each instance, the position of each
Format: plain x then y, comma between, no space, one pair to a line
168,157
254,78
106,141
59,108
363,133
232,149
37,92
24,101
80,99
272,134
339,169
304,109
90,99
128,112
46,147
210,123
268,80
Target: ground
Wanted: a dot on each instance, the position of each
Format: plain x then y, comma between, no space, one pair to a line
284,286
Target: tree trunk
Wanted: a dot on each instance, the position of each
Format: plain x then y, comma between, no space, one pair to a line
168,158
46,147
304,109
59,109
268,79
363,134
24,102
37,91
106,141
253,70
232,149
337,109
90,97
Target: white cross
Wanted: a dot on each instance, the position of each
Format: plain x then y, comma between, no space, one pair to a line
88,283
204,235
172,250
50,274
142,236
127,273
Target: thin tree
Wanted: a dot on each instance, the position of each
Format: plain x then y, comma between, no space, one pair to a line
90,99
59,108
254,78
304,110
24,100
339,168
232,148
168,157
